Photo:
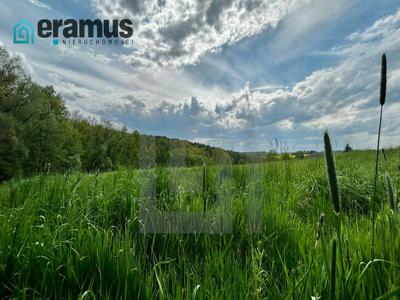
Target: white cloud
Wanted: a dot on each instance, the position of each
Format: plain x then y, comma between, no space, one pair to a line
343,98
176,33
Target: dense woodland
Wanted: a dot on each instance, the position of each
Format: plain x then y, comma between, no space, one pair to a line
38,134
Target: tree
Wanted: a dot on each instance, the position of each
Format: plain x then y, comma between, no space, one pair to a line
12,149
347,148
38,134
271,155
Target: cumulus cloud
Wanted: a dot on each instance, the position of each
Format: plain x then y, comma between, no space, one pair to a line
176,33
343,99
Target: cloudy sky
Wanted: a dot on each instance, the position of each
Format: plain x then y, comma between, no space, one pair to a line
231,73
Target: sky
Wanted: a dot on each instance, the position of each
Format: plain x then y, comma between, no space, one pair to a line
236,74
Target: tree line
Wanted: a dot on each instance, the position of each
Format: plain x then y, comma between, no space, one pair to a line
38,134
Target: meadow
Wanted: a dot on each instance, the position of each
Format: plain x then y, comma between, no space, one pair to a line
317,227
82,235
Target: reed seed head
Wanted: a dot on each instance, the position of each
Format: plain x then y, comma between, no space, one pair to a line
383,80
331,169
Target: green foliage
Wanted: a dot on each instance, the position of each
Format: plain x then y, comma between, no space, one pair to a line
39,135
333,270
390,192
79,234
12,150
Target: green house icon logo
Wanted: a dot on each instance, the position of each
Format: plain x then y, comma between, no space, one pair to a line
23,33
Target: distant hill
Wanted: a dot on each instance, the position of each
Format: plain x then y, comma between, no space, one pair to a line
40,135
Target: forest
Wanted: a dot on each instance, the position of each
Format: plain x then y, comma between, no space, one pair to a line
39,135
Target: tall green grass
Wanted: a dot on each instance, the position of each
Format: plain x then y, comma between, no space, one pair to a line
79,235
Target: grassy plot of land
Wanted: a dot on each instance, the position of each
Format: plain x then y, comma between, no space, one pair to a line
79,235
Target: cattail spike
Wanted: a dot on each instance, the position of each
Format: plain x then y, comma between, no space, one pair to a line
331,169
383,80
390,192
382,102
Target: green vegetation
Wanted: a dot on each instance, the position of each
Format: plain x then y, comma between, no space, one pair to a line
83,235
78,235
39,135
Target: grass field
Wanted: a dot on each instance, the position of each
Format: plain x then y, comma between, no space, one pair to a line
79,235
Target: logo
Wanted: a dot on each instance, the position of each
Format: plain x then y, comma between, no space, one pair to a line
24,33
76,32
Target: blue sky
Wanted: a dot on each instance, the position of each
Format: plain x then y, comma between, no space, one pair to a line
231,73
